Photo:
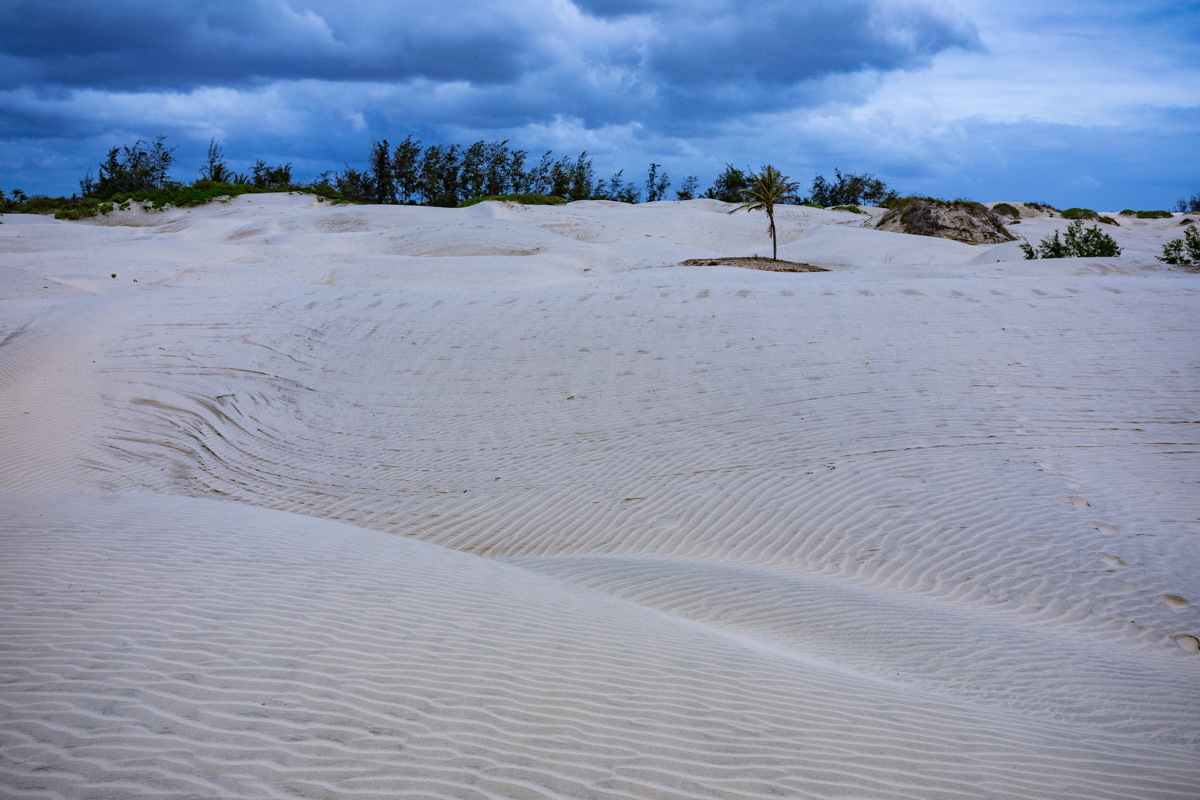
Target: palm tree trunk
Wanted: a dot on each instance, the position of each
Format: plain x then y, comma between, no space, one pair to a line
774,244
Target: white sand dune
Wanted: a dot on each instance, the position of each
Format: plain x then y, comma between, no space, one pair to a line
497,502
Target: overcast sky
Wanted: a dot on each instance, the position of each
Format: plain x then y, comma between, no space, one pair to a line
1075,102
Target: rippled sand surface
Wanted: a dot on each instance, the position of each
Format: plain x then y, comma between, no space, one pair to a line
503,502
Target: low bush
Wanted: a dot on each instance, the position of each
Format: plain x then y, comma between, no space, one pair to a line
1007,210
853,209
1110,221
197,194
1077,242
1129,212
1183,251
1044,207
1079,213
523,199
76,208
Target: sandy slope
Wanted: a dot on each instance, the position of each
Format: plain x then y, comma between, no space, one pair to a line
923,526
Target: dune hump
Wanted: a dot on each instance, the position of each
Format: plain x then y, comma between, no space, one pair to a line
560,502
971,223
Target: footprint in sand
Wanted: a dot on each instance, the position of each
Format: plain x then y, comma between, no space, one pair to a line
1079,502
1104,527
1113,561
1186,642
1175,601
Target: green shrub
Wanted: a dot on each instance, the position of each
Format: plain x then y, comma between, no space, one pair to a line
131,169
853,209
1154,215
1007,210
689,188
1046,207
1076,243
1183,251
1129,212
1110,221
728,186
1079,213
523,199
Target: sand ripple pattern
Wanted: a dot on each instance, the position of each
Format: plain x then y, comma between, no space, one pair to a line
747,423
750,422
172,647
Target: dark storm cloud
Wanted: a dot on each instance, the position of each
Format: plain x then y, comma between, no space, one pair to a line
140,45
779,43
136,44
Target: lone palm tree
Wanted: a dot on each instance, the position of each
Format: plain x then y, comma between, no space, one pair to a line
766,189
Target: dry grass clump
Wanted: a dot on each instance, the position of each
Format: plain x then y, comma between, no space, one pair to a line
960,220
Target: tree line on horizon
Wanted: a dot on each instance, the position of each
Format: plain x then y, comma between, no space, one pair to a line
415,174
441,175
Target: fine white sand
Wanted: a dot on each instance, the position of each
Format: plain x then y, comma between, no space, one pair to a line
498,502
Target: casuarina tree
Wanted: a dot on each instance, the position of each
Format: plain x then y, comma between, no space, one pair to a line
768,188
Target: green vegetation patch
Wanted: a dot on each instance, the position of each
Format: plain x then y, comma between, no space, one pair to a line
201,192
1007,210
1110,221
523,199
853,209
1077,242
1044,207
197,194
1183,251
1080,213
1129,212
